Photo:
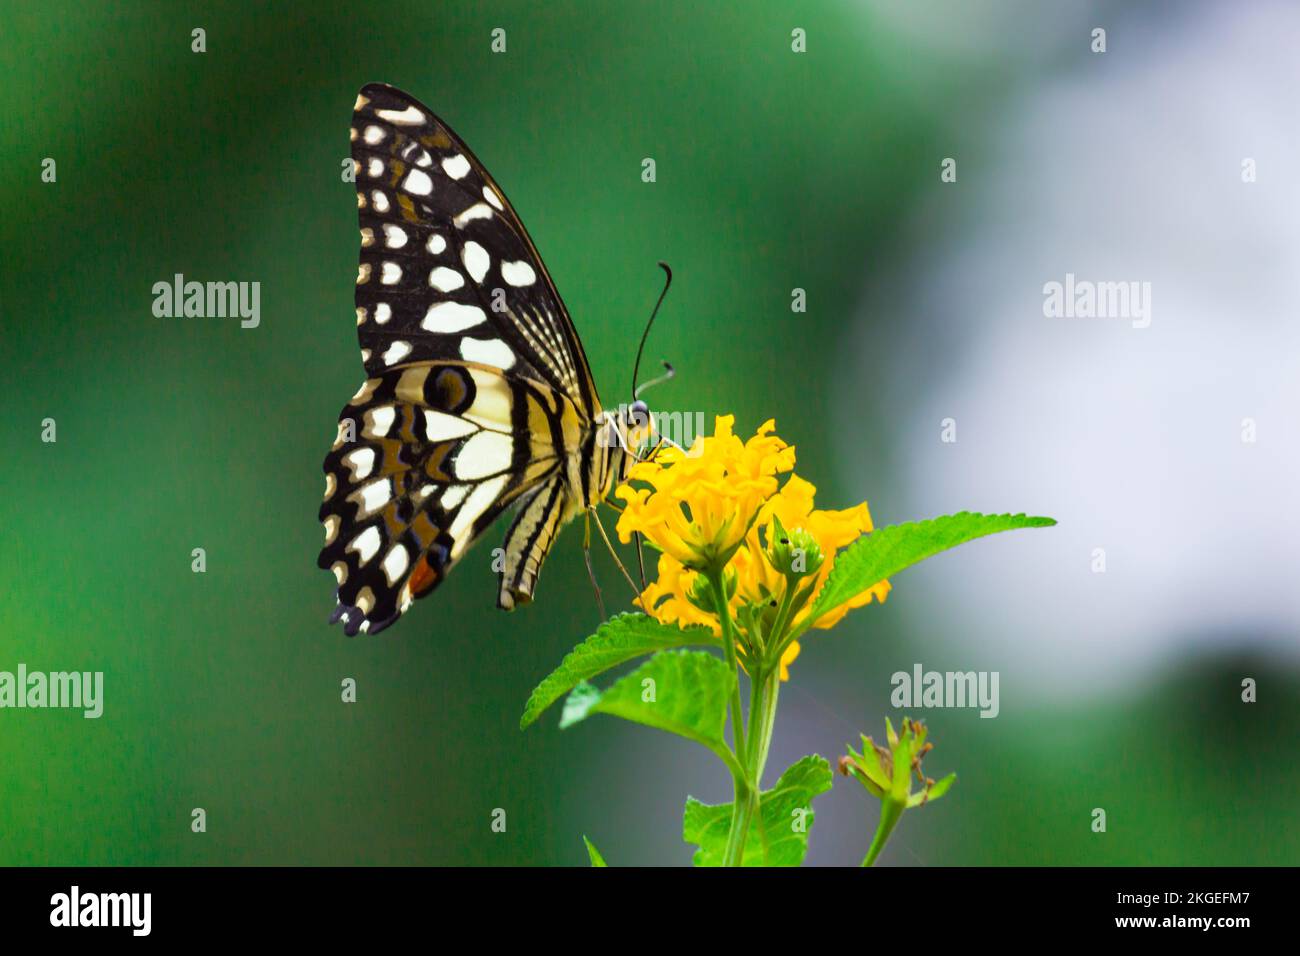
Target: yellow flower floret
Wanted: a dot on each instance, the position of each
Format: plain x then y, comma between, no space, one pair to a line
718,502
702,501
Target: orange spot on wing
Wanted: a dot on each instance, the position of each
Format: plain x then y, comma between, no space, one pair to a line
422,578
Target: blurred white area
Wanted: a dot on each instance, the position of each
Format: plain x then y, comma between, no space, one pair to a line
1115,167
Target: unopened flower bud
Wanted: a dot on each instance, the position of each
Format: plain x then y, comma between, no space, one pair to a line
795,553
701,591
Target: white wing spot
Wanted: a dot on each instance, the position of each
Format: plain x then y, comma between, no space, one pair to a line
373,496
361,461
480,210
439,426
413,152
380,200
392,274
407,117
449,317
436,244
446,280
456,166
396,561
375,167
380,420
396,352
383,312
476,260
454,496
487,453
487,352
418,182
518,273
491,196
373,135
394,236
366,544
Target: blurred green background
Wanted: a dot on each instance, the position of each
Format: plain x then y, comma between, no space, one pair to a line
775,170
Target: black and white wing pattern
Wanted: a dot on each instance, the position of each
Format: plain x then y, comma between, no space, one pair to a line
478,390
447,269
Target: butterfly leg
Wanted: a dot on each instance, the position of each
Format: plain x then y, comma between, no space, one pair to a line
640,559
614,554
591,571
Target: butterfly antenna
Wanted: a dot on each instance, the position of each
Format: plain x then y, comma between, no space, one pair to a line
636,393
668,281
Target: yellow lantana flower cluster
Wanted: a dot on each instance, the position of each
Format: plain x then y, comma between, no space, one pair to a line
702,500
720,503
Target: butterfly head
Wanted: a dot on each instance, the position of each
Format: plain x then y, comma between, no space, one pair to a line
638,426
622,436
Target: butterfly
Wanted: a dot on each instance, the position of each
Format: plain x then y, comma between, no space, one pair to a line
478,394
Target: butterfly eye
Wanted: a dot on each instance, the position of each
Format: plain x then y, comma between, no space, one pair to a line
639,413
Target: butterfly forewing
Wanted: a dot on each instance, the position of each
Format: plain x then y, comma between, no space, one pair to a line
447,269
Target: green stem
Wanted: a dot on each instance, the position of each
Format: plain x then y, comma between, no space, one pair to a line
778,625
745,795
764,688
771,689
795,633
762,718
742,812
791,604
729,651
757,696
890,813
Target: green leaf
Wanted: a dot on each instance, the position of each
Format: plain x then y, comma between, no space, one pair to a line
620,639
937,791
682,692
593,853
778,833
886,551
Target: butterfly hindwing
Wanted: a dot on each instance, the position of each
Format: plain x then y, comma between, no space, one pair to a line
529,541
447,270
427,456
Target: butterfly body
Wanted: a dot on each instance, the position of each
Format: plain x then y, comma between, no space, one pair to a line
478,397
